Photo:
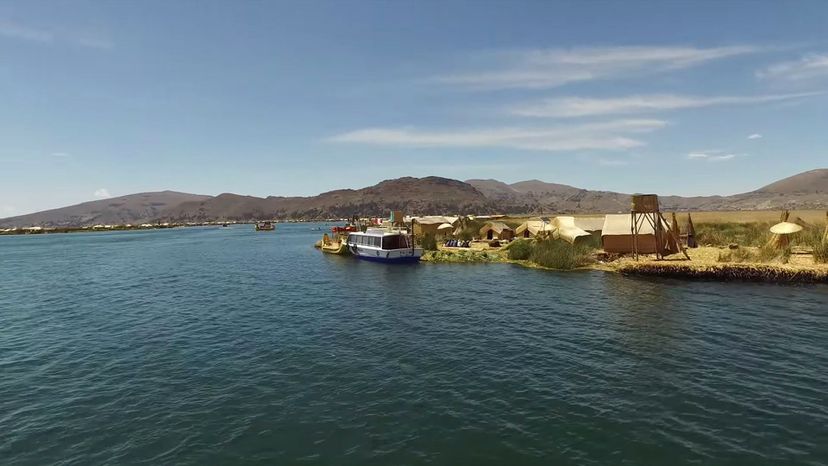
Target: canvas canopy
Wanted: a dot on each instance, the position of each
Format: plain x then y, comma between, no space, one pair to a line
566,230
589,224
785,228
435,220
616,235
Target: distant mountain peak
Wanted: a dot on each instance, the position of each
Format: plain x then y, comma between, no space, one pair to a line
419,196
811,181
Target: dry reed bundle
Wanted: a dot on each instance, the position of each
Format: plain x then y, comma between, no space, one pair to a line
728,272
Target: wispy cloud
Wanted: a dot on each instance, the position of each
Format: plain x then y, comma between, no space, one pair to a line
579,107
102,193
13,30
810,68
95,43
20,32
610,135
713,155
546,68
60,154
755,136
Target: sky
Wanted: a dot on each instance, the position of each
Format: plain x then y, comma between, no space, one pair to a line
101,99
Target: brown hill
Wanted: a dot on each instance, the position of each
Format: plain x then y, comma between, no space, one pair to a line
814,181
133,208
411,195
430,195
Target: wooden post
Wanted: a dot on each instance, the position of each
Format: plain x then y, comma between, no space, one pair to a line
825,236
691,233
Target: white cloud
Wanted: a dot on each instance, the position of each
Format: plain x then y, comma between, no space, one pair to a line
713,155
102,193
610,135
546,68
813,67
755,136
579,107
60,154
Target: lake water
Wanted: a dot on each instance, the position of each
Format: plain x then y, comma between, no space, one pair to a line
226,346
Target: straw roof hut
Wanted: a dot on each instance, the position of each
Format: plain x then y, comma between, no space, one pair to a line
431,224
532,228
496,230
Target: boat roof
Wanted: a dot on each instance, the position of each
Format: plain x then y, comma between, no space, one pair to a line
379,232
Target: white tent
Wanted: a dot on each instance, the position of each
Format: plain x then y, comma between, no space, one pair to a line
566,230
616,235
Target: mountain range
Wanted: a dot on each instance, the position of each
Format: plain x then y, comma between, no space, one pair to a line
429,195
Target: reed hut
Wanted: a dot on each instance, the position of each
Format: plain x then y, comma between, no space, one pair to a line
497,230
532,228
430,225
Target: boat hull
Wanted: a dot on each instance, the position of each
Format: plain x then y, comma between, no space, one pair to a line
395,260
392,256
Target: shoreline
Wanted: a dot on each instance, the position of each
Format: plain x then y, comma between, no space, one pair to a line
690,270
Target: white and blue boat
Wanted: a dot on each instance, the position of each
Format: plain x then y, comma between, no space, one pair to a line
384,245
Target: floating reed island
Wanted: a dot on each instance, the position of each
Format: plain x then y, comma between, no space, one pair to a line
723,246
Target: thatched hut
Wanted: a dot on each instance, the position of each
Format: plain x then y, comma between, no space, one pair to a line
430,225
497,230
532,228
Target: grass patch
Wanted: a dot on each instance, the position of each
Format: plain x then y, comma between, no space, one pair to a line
762,255
428,242
520,250
723,234
471,229
821,252
557,254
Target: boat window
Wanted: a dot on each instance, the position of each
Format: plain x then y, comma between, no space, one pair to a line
391,242
377,241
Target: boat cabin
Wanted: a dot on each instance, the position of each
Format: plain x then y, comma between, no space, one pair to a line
380,239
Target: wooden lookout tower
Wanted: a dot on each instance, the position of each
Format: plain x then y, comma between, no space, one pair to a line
646,220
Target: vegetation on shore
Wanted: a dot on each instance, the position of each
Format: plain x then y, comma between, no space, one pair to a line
552,253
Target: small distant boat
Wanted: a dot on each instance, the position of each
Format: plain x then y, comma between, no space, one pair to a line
345,229
384,245
224,225
265,226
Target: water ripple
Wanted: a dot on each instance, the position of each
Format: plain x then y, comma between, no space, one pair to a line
225,346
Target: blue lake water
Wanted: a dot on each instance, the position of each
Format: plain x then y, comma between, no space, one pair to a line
227,346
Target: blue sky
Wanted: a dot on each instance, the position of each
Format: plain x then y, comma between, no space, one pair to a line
297,98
